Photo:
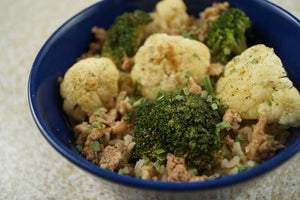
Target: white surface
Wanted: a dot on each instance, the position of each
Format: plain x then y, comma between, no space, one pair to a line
29,167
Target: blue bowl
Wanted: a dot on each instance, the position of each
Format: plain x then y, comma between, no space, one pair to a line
273,26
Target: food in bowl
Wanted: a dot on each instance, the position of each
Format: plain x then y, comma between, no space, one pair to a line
166,97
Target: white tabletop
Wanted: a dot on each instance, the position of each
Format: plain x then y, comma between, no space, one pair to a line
29,167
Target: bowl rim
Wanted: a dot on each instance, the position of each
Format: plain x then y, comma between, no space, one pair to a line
95,170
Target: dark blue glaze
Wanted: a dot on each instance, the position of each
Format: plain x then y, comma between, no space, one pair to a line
272,26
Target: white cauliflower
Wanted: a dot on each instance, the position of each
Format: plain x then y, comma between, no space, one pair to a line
89,84
256,84
161,63
170,16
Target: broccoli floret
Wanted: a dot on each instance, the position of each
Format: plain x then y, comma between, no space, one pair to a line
180,123
125,36
227,37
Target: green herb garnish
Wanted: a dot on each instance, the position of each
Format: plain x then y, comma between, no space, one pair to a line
207,84
222,125
242,168
146,160
268,102
95,146
99,113
214,106
121,171
193,171
97,125
156,165
185,91
237,139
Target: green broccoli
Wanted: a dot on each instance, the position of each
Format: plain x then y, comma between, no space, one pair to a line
180,123
125,36
227,37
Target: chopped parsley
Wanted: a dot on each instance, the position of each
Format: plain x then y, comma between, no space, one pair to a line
187,74
89,131
156,165
146,160
97,125
95,146
232,71
121,171
204,94
185,91
268,102
237,139
179,97
242,168
99,113
193,171
159,151
187,77
196,56
207,84
222,125
214,106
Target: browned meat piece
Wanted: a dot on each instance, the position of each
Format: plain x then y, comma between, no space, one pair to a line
262,145
267,150
100,34
125,83
121,128
207,17
122,104
127,63
95,135
193,87
95,118
215,69
124,107
114,156
82,130
228,141
198,178
110,117
95,47
176,169
212,13
233,117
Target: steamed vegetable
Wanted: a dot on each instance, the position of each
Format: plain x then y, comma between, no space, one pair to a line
256,84
89,84
125,36
180,123
227,37
163,60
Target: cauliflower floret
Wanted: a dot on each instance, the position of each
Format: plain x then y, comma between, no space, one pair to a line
284,107
89,84
170,17
161,63
256,84
172,13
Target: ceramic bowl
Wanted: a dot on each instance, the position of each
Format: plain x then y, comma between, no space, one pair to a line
273,27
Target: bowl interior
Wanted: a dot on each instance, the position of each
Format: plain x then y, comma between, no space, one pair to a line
272,26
